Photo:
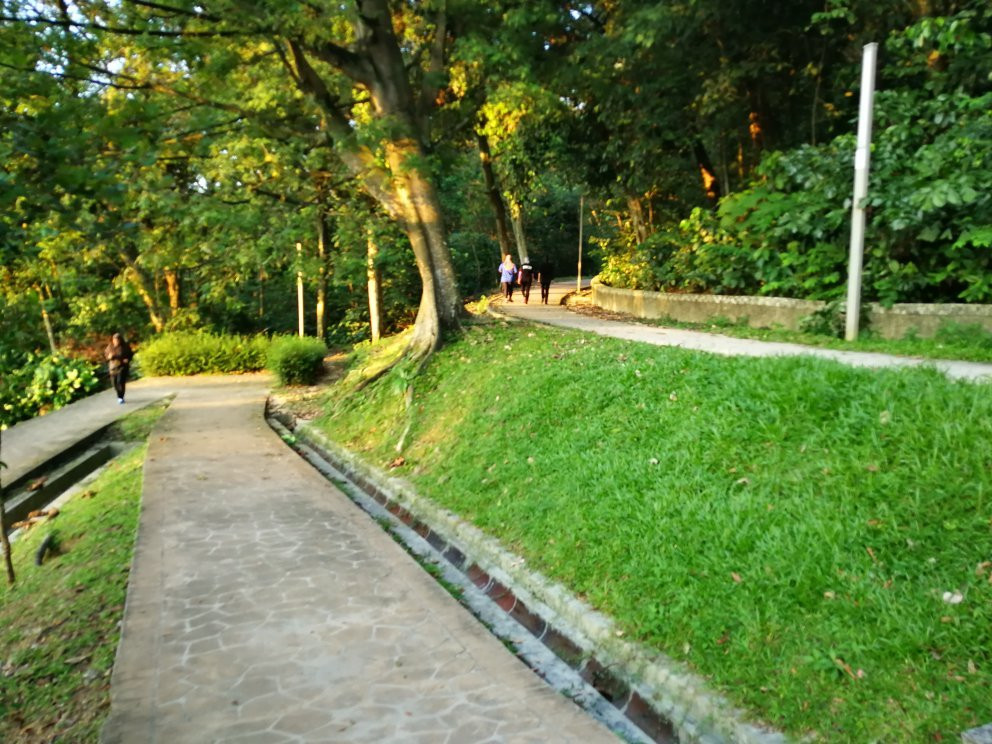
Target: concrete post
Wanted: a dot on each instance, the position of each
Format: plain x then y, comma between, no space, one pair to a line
862,159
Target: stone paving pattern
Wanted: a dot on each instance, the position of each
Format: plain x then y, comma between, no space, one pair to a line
265,607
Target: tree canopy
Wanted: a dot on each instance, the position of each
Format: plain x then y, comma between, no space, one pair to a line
161,161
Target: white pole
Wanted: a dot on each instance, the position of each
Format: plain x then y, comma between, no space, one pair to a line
862,159
578,279
299,285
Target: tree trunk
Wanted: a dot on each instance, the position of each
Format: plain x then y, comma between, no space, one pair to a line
495,197
403,187
375,288
637,223
4,540
321,275
139,279
47,322
711,186
172,290
517,220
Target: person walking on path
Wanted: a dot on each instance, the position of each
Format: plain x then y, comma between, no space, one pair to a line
118,354
545,274
526,278
507,274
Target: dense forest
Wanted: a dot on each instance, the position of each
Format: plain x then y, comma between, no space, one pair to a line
176,165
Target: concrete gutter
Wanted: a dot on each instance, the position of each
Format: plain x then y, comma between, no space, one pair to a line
661,696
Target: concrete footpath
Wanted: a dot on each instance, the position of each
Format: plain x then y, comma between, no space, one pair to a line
554,313
264,606
32,443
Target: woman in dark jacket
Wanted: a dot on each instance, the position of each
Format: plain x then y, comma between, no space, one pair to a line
118,355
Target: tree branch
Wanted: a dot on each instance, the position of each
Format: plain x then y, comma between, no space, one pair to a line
176,11
67,76
70,25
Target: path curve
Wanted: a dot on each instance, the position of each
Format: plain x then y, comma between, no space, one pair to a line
264,606
554,313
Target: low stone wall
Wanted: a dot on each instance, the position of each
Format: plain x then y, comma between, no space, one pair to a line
781,312
759,312
925,320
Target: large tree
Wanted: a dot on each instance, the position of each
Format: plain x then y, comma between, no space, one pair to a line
371,72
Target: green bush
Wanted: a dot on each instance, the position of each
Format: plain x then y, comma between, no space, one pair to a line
296,361
197,353
43,382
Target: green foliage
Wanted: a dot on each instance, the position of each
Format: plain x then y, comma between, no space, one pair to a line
929,204
969,335
199,353
767,521
296,361
36,383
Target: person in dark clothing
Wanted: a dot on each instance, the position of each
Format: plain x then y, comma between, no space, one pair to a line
118,354
526,278
545,274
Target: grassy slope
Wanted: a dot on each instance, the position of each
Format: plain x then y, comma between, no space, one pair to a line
59,623
786,526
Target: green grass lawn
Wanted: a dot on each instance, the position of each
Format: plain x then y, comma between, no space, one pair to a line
814,539
59,623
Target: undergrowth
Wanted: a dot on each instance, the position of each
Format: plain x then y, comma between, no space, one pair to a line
814,539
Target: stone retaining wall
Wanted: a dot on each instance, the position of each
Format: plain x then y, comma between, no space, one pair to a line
771,312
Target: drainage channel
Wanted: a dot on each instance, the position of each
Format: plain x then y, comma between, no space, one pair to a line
551,654
44,484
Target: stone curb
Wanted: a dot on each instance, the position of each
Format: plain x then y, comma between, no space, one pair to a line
656,693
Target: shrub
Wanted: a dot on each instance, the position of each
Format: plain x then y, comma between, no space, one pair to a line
296,361
41,383
197,353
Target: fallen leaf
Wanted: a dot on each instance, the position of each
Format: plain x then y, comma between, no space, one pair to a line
872,468
829,595
736,577
397,462
872,554
972,669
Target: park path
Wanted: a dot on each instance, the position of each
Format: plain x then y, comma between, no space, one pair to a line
263,606
555,313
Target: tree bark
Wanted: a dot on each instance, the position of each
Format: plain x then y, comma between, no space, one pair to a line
517,220
637,222
140,280
172,290
4,540
711,185
47,322
495,197
375,288
321,275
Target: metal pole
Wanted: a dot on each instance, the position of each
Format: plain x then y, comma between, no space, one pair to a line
578,279
862,159
299,284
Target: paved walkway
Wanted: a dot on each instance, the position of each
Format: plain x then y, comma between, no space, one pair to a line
263,606
556,314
